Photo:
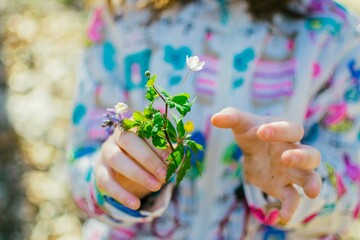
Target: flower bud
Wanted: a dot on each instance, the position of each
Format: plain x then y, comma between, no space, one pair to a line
189,126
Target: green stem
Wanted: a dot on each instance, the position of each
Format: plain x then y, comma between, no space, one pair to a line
165,124
181,163
161,96
182,139
165,130
186,76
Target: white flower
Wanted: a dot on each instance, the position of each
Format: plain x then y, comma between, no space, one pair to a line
194,63
121,108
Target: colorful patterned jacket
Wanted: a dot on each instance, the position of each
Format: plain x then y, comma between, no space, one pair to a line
305,70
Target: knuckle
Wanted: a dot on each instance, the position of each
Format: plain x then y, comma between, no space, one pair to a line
119,196
113,157
136,175
315,157
103,151
99,160
123,138
147,160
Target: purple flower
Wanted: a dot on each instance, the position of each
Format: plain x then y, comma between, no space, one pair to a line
111,120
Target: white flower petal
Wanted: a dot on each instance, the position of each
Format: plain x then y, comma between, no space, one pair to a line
121,108
194,63
201,65
187,60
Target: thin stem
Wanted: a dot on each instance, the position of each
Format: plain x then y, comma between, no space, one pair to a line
165,126
166,115
186,76
161,96
182,139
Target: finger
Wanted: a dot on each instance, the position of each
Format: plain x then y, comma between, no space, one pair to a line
290,200
283,131
106,182
162,153
305,158
142,153
126,166
310,181
231,117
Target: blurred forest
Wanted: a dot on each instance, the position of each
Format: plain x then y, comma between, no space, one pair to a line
41,43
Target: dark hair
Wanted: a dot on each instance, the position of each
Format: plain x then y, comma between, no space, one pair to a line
259,9
266,9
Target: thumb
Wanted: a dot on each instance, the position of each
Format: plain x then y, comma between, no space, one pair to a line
235,119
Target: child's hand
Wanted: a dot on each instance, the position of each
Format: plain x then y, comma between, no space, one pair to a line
129,168
273,157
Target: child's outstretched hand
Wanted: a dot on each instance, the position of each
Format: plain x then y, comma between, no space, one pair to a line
128,168
273,157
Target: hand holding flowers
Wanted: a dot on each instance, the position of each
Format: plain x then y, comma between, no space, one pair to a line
149,148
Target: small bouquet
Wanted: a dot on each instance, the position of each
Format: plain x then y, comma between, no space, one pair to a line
164,132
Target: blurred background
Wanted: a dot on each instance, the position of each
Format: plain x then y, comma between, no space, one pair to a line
40,46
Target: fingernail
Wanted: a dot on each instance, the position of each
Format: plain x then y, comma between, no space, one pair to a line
161,173
132,203
227,110
153,184
268,133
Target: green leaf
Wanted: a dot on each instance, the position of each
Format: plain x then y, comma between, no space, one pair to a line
179,153
185,166
181,103
180,128
194,146
159,142
181,98
173,156
149,112
147,130
176,118
154,131
164,92
158,120
183,110
141,134
151,81
138,116
170,170
129,124
151,94
199,167
171,104
171,131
